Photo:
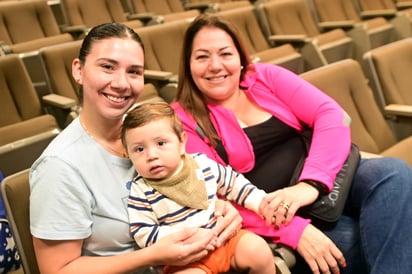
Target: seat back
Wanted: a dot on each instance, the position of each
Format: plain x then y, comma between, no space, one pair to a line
366,5
248,26
389,69
26,20
29,22
94,12
19,101
163,44
246,22
345,82
335,10
170,10
157,6
15,192
24,129
57,66
289,17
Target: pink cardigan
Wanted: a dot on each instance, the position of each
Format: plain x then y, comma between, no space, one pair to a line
295,102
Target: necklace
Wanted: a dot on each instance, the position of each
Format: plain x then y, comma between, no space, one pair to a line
116,152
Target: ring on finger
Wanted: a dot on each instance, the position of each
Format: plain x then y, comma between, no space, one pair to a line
284,205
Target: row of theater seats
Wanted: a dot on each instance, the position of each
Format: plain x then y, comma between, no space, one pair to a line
298,34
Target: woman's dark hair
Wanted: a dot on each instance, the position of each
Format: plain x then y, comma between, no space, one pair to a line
105,31
188,95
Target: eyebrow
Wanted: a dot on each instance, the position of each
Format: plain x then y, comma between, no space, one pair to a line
205,50
113,61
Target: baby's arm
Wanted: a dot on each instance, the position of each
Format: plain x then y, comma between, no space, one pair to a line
235,187
145,211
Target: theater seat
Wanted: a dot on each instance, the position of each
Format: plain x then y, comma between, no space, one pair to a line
25,129
389,70
166,10
366,33
89,13
28,25
15,192
261,50
291,21
345,82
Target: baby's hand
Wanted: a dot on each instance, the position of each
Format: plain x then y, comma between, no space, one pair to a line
204,232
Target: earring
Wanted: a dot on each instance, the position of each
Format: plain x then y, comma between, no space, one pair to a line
241,67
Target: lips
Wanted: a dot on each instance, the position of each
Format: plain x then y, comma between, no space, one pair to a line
156,169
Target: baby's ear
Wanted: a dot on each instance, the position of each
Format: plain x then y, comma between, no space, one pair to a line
183,140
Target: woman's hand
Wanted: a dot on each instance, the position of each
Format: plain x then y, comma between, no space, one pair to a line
319,252
229,221
280,206
186,246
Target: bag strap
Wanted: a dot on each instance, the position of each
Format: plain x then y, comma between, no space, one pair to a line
219,147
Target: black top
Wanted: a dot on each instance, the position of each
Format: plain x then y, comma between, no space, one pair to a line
277,148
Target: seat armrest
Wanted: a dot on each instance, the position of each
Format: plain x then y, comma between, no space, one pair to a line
5,48
404,5
344,24
76,31
368,155
158,75
399,110
380,13
147,18
297,40
255,59
198,6
58,101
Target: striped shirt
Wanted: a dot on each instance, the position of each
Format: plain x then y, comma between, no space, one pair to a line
153,215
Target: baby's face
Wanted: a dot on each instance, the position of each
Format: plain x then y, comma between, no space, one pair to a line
155,149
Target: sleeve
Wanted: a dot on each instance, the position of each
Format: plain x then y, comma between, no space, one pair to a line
235,187
144,223
60,203
331,125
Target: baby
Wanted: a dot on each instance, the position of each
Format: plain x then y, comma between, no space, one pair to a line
174,190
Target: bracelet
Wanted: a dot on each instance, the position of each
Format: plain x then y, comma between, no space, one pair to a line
319,187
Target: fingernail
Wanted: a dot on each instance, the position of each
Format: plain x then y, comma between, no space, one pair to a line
344,265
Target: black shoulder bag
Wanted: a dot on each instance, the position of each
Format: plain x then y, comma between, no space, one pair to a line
327,209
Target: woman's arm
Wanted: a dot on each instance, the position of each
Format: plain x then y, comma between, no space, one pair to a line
65,256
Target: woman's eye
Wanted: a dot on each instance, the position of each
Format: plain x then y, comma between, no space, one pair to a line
107,66
136,71
199,57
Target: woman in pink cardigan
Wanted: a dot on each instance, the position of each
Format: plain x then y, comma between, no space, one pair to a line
251,117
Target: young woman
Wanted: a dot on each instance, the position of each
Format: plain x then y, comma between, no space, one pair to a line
255,113
78,201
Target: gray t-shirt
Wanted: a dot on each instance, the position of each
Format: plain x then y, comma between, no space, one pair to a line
79,191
